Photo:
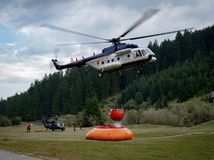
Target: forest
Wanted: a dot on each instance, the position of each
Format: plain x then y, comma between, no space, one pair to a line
184,69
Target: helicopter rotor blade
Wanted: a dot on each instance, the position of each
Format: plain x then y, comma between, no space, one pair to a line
153,35
69,44
49,26
148,14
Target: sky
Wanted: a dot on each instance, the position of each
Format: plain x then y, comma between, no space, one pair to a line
26,48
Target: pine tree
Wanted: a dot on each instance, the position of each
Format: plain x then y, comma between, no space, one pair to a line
92,114
138,98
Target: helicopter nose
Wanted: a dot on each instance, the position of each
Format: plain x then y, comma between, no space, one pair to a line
152,58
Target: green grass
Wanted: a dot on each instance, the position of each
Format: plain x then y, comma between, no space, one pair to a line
152,142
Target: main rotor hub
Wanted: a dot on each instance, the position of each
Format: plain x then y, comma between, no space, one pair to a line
115,40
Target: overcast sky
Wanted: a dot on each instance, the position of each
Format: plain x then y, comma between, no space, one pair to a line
26,48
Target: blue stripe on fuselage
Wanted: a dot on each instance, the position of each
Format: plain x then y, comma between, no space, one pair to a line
105,52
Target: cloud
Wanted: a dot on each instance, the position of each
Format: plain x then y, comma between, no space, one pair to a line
23,12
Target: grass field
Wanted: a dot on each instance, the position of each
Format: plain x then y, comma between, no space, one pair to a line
152,142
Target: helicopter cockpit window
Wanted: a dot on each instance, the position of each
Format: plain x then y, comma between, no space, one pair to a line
139,53
143,52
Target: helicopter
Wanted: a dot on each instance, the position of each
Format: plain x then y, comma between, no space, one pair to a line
117,57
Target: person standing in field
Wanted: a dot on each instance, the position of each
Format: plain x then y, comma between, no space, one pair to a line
81,126
74,126
28,127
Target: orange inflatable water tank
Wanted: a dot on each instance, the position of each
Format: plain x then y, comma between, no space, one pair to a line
110,133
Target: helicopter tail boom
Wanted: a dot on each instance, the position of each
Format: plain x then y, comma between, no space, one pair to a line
69,65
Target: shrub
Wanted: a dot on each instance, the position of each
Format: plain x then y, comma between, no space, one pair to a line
188,114
69,120
158,116
131,104
4,121
16,120
205,98
195,115
132,117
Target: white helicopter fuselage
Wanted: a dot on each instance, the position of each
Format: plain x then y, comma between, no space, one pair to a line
123,59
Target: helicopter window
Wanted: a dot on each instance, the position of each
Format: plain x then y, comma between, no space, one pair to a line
112,60
118,58
102,62
108,61
128,55
139,53
143,52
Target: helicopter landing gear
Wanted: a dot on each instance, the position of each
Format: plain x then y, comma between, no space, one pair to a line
139,70
120,75
100,74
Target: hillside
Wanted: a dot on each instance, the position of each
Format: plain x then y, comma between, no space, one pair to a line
183,70
181,82
189,113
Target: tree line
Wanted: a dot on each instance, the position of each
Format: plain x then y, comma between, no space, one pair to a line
182,70
181,82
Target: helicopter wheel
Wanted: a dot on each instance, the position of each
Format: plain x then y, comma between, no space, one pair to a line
100,75
120,74
139,71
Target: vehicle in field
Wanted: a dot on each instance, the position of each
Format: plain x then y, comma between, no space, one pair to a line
54,125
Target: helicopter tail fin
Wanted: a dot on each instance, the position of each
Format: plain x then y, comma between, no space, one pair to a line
57,66
68,65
